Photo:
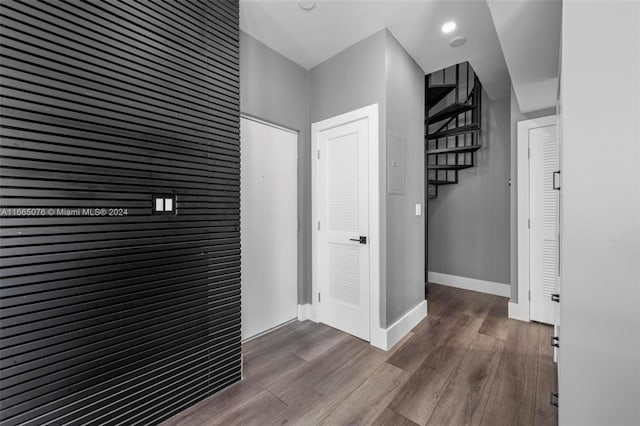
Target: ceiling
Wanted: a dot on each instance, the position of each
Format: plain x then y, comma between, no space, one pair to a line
311,37
508,41
529,33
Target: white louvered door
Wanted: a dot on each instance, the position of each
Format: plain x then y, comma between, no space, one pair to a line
544,202
343,212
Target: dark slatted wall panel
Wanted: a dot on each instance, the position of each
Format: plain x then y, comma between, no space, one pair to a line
118,319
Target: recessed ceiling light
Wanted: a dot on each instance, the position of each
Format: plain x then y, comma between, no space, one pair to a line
448,27
306,4
457,41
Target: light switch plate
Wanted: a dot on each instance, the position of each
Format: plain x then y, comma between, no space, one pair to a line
164,204
418,209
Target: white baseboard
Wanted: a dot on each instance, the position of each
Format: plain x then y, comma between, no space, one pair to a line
307,312
385,339
262,333
380,337
490,287
518,312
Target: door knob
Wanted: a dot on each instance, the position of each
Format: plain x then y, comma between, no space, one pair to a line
361,240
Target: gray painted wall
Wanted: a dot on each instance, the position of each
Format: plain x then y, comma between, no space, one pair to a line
374,70
276,89
469,223
351,79
405,254
599,375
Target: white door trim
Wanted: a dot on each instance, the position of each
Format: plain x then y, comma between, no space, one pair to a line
520,309
377,334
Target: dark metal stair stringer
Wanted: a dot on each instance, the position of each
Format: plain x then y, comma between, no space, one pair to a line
451,146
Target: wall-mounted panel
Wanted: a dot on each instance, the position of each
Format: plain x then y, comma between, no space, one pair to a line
111,313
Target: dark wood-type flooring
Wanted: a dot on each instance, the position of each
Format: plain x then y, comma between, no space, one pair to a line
465,364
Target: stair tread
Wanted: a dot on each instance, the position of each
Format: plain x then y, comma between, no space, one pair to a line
437,92
441,182
468,148
469,128
450,111
449,166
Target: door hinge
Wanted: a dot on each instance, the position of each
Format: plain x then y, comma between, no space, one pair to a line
318,297
553,399
555,341
528,152
529,223
529,295
318,225
318,154
555,297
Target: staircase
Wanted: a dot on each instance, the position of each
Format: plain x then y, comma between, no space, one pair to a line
452,124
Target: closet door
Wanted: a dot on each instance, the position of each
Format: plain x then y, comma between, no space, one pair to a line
543,166
268,226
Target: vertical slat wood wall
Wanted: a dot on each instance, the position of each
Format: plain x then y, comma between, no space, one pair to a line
118,319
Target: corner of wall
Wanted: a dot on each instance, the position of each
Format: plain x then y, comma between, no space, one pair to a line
403,263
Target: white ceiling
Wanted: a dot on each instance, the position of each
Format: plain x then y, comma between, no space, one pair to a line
311,37
529,33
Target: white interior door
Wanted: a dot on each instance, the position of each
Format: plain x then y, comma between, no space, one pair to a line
544,214
269,226
343,213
